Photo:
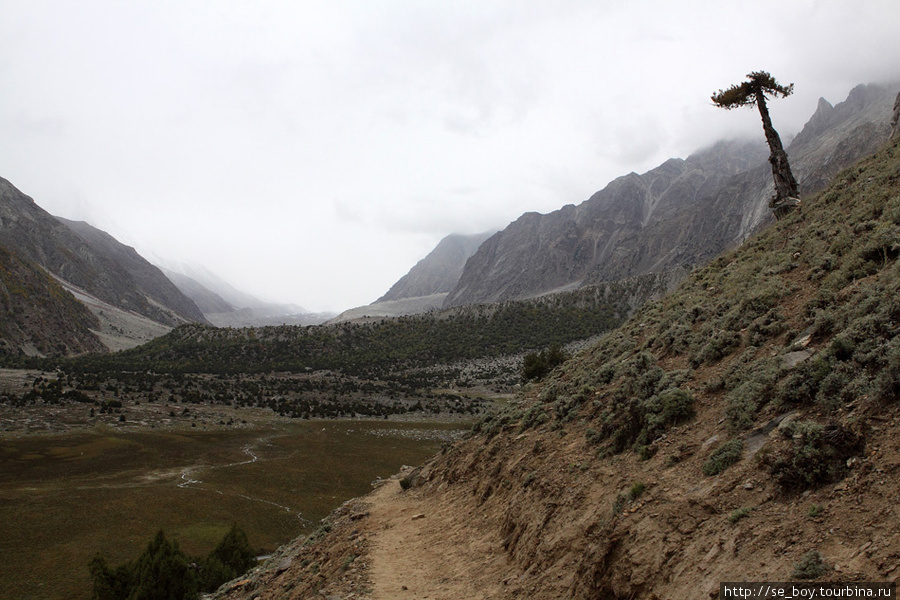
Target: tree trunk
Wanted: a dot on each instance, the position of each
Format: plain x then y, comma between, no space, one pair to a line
785,185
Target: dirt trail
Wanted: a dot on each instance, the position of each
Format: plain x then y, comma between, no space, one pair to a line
429,552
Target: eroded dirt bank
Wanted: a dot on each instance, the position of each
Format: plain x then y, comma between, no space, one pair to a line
534,516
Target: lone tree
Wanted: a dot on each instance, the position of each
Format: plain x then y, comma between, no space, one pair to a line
754,91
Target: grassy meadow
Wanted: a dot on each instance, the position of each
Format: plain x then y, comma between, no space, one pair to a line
65,497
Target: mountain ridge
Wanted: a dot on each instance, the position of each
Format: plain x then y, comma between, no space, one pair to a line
90,259
681,213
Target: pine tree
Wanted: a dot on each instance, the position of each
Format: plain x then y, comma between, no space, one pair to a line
753,92
164,572
230,558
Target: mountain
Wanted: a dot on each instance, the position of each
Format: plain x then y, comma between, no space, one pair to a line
224,305
743,428
206,300
90,260
682,213
425,287
146,278
38,316
440,270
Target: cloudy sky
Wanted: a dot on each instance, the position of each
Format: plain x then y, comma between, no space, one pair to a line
313,151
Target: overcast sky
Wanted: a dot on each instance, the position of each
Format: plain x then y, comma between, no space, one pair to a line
312,152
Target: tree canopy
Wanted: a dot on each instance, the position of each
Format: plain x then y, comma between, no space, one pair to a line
748,93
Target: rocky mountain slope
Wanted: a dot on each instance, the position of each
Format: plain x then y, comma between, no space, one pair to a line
682,213
37,315
744,428
90,260
438,272
173,306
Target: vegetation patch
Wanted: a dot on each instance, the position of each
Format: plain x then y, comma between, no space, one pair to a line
811,566
816,455
536,365
739,513
726,455
165,572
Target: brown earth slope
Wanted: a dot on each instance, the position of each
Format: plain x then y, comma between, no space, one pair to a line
742,429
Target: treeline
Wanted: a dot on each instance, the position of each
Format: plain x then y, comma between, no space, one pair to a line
372,350
329,395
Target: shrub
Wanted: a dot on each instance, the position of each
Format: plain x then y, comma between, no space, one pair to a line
636,490
637,421
726,455
164,572
811,566
739,513
802,385
830,393
887,383
536,365
817,455
720,345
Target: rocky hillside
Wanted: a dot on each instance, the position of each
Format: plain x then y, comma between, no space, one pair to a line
683,213
90,260
38,316
742,429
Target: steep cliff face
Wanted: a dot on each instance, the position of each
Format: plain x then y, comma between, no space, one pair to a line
90,260
682,213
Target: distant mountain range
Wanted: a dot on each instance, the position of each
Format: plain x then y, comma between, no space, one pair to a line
226,306
425,287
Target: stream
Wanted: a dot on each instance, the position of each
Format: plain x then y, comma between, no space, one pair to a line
188,482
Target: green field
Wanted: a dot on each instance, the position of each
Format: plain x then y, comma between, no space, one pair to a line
64,498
